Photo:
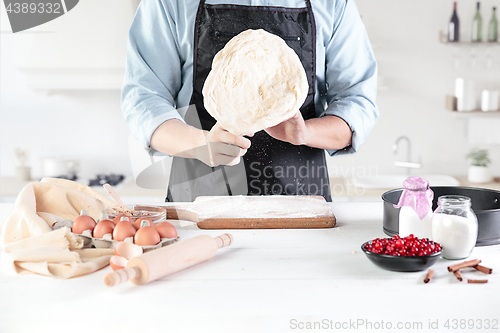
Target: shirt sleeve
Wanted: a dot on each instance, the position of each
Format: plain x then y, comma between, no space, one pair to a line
351,75
152,73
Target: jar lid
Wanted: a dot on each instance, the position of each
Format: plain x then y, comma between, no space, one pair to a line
415,184
417,195
454,200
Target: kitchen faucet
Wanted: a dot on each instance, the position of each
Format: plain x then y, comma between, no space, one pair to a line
408,164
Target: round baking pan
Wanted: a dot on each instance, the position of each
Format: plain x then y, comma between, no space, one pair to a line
485,203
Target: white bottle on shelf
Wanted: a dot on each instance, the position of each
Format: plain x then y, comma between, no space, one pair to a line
490,100
465,92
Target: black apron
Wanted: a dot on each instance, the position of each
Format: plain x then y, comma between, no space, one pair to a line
270,166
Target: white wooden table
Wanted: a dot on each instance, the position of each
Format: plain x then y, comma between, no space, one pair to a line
267,281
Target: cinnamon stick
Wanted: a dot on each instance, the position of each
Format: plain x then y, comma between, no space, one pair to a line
458,274
483,269
476,281
428,276
470,263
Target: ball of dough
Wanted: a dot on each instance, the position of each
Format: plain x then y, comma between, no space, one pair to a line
256,82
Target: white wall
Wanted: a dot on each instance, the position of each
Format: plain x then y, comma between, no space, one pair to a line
418,70
87,125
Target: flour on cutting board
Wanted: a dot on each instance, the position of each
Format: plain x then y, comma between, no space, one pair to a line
265,207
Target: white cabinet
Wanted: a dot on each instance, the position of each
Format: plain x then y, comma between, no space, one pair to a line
85,49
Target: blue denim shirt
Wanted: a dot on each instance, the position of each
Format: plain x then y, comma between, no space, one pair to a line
159,70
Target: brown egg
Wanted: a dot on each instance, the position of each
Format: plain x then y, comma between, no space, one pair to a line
128,250
147,236
119,218
103,227
117,263
82,223
123,229
166,230
137,223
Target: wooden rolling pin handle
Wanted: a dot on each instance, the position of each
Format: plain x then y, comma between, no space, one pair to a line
223,240
159,263
121,276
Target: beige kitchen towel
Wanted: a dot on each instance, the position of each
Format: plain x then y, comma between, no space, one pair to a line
55,254
30,244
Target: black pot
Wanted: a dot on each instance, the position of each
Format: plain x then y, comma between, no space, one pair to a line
485,203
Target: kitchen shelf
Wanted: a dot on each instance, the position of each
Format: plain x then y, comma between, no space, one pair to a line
475,114
443,40
469,44
451,106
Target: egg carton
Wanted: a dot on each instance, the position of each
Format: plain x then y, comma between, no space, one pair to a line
108,243
91,242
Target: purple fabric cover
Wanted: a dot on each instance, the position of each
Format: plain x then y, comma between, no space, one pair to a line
416,195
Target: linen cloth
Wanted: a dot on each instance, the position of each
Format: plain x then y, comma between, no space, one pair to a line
30,244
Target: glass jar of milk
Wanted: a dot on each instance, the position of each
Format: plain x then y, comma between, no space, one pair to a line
454,226
415,205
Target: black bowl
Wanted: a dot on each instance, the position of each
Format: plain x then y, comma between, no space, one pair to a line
485,203
403,263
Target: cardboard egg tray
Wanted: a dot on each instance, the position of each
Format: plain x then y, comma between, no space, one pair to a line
91,242
104,243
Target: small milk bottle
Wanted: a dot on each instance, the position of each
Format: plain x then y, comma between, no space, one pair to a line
454,226
415,215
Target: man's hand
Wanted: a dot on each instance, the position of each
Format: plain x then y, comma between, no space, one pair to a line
328,132
217,147
293,130
222,147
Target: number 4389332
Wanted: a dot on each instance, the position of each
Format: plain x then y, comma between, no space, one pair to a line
32,8
471,324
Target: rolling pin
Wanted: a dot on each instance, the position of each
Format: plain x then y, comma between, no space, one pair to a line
164,261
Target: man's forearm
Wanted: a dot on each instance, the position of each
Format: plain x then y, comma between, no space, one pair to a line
328,132
176,138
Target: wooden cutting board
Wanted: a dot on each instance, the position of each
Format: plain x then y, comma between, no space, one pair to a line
255,212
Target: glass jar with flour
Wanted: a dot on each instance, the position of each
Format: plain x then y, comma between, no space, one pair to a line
416,208
454,226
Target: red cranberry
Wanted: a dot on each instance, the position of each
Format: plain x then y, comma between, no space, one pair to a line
407,246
